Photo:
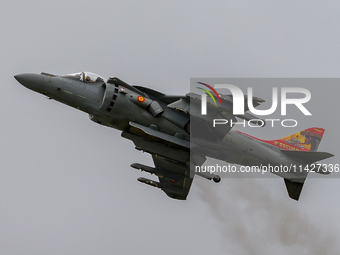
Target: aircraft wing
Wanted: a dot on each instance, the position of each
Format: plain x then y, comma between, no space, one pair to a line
201,125
171,158
174,177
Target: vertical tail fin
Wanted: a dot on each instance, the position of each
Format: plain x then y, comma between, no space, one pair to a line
305,140
294,189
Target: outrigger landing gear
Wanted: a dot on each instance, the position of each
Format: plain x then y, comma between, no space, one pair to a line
216,178
209,176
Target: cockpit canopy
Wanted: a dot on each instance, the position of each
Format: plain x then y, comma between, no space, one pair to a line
85,76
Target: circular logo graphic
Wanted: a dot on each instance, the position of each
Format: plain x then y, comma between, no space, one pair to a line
140,99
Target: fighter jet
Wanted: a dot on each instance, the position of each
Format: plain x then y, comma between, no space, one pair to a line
162,125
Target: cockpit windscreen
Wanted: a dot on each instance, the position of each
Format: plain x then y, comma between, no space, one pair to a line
85,76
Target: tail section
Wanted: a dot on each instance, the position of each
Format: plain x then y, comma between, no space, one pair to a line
301,147
305,140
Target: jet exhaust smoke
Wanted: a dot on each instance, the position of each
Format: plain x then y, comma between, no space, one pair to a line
252,222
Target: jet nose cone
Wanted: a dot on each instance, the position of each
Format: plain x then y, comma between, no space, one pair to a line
20,78
29,80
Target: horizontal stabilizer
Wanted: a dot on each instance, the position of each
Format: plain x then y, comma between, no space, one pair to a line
307,156
294,189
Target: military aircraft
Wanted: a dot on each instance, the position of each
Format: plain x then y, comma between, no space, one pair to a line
162,125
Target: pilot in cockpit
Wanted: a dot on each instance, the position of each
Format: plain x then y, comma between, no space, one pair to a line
91,77
87,78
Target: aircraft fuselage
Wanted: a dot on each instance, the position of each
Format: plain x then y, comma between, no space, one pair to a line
114,105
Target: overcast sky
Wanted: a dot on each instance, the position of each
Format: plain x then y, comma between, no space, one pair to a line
66,186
